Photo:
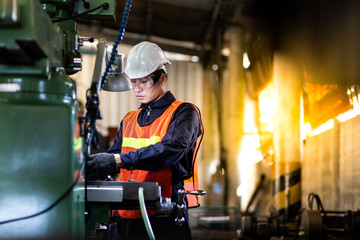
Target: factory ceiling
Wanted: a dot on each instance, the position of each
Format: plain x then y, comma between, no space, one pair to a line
191,27
200,27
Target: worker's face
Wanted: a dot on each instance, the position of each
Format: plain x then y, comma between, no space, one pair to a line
146,91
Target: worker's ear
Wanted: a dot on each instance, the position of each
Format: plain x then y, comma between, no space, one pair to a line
163,79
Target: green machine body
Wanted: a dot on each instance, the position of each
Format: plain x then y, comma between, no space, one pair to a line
41,150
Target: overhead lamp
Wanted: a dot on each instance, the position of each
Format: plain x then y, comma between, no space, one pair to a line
246,61
117,80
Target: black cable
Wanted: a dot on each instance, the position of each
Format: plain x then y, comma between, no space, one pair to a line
104,5
320,206
193,163
311,198
52,205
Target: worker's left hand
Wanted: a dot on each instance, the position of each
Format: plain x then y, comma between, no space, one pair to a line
100,165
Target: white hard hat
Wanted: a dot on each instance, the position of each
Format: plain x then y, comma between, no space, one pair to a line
144,59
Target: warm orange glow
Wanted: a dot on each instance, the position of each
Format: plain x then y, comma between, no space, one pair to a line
306,131
326,101
250,144
324,127
317,92
354,99
347,115
250,149
343,117
267,108
266,116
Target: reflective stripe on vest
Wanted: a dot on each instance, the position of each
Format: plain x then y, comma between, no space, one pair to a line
135,137
140,142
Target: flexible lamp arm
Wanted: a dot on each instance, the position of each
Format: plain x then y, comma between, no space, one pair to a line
117,42
92,95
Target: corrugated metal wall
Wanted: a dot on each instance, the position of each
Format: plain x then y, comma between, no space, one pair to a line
331,166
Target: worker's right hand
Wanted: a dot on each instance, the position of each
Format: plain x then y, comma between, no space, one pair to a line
100,165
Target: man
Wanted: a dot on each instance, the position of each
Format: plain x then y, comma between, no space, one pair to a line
157,143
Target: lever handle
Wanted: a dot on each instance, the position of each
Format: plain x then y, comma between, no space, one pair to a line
82,40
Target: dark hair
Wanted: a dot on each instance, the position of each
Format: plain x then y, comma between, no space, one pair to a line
157,75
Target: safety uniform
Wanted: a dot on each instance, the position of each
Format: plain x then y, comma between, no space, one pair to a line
158,142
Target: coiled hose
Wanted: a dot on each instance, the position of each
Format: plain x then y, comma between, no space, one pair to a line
117,41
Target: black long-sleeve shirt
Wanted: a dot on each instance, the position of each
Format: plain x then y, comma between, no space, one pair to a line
177,147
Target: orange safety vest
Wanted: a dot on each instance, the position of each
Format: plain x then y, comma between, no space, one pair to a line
135,137
192,183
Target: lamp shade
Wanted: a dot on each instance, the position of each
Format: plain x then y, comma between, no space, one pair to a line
117,81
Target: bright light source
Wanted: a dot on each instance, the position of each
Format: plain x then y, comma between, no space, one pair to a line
347,115
215,67
250,149
195,58
267,108
246,61
306,131
250,156
213,166
250,121
324,127
240,191
225,52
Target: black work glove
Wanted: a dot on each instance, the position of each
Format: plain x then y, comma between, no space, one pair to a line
100,165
